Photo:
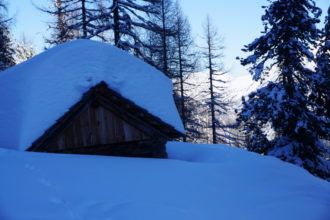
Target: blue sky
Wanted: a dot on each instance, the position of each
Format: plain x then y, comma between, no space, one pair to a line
238,21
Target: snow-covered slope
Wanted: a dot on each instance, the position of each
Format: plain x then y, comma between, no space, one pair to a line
241,86
235,87
34,94
198,182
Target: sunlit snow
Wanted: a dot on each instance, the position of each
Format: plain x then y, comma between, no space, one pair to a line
198,182
38,92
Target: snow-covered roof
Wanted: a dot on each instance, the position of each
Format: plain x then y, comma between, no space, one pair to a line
34,94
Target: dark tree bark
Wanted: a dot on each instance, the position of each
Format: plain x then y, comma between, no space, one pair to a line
212,54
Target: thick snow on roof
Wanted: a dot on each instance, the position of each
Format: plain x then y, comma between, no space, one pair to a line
198,182
34,94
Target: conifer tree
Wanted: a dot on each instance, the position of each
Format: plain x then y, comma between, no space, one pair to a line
184,63
165,32
283,105
161,38
74,19
321,86
127,19
6,49
212,54
23,50
61,30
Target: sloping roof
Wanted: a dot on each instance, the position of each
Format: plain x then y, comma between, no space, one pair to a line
34,94
102,95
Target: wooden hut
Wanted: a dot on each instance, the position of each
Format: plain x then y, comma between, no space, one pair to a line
105,123
86,97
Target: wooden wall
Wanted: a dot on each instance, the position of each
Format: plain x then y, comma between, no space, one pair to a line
95,126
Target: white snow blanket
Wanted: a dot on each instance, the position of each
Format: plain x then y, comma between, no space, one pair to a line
34,94
198,182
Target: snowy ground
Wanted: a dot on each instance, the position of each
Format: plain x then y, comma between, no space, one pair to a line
197,182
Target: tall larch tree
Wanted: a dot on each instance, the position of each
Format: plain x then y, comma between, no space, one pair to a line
166,24
6,44
74,19
127,20
184,63
212,54
283,105
161,38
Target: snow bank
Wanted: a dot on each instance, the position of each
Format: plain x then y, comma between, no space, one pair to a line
199,182
34,94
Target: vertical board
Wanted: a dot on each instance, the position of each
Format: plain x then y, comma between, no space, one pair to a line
95,126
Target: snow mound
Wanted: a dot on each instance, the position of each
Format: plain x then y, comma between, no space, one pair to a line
36,93
198,182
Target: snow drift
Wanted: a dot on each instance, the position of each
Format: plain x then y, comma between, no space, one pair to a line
198,182
36,93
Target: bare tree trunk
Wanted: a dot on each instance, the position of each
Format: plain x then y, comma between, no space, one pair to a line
116,27
212,101
84,23
165,67
182,101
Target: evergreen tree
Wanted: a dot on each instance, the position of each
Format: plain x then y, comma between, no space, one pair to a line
23,50
321,86
6,50
283,106
212,54
61,30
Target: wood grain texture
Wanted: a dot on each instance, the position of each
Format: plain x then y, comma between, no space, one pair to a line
96,126
105,118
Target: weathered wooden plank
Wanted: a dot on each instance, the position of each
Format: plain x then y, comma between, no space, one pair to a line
102,117
96,126
102,132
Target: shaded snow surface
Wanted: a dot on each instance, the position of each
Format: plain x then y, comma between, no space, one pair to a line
36,93
198,182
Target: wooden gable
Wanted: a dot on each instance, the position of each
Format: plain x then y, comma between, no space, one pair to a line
96,125
106,123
